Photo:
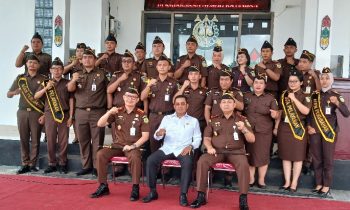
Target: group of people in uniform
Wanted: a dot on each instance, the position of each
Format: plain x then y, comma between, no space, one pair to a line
197,114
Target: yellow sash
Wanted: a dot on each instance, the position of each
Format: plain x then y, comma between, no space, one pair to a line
294,121
38,105
54,103
321,121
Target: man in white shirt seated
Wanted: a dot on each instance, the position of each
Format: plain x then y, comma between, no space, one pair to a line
182,135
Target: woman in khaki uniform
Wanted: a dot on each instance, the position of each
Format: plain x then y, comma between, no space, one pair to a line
290,130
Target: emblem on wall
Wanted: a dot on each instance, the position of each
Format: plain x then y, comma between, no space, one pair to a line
58,31
206,32
325,32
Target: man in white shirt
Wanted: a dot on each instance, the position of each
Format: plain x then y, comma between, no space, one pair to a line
181,134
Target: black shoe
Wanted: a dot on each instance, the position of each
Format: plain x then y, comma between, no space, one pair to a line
292,191
84,171
135,192
316,190
252,184
284,188
34,169
23,169
324,194
101,190
243,202
200,201
183,199
262,186
63,169
75,141
153,195
94,172
50,169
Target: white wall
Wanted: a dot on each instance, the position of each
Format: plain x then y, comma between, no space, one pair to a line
17,29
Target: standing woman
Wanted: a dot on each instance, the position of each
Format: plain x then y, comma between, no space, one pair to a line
243,75
290,130
261,109
323,131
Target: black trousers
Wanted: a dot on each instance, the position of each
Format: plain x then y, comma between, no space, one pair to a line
153,164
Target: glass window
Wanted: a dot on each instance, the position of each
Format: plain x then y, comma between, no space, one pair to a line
43,22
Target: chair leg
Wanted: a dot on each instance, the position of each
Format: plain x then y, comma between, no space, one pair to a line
113,175
163,179
208,188
211,179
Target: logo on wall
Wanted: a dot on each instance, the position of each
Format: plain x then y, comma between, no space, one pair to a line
206,32
325,32
58,31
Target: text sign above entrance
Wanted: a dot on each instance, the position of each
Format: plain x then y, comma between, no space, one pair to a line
182,5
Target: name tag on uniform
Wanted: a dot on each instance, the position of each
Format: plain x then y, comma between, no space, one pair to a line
132,131
235,136
167,97
93,87
239,83
308,90
328,110
286,120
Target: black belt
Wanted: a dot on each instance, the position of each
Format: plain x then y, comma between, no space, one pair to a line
162,113
27,109
88,109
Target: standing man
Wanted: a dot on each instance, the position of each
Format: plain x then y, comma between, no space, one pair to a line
191,59
181,136
75,63
269,69
132,132
44,58
225,134
140,53
215,68
149,67
311,81
58,116
89,86
160,93
30,113
288,63
109,61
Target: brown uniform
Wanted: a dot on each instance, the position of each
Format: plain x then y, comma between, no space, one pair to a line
124,122
271,85
309,83
213,79
160,104
239,81
214,98
149,68
27,121
138,65
90,106
195,100
286,68
322,151
221,130
290,148
75,68
112,63
196,60
257,109
57,132
45,62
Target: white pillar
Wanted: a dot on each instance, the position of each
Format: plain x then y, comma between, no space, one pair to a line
309,15
323,57
61,8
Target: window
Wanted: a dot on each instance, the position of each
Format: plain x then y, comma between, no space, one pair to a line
43,22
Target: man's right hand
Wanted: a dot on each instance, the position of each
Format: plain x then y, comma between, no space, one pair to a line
186,83
113,110
104,56
186,64
211,151
161,132
25,48
123,77
152,82
75,77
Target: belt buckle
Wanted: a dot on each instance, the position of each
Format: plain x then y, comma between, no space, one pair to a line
88,109
29,109
159,113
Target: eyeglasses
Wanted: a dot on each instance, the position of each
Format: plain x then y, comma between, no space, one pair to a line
131,97
127,61
180,104
293,81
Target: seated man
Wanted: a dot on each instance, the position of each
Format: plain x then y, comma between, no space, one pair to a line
224,139
181,135
132,132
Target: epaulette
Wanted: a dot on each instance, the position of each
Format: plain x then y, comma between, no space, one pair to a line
278,64
241,117
334,91
234,88
214,116
140,111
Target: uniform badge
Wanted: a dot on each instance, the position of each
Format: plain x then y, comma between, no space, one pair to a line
240,93
119,127
145,119
153,95
119,89
170,83
215,102
38,82
134,79
136,115
310,77
341,99
278,65
98,75
308,99
204,64
200,92
215,133
252,73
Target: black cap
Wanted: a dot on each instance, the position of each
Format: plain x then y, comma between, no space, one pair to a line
217,48
89,51
158,40
225,73
111,37
228,95
297,73
291,42
57,61
262,76
128,54
37,36
164,58
132,90
307,55
193,68
81,45
267,45
326,70
245,52
192,38
140,46
32,57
